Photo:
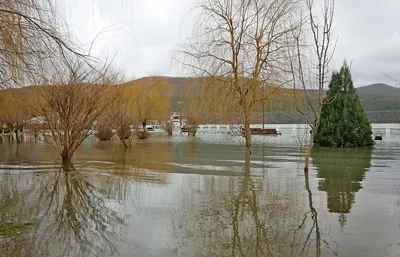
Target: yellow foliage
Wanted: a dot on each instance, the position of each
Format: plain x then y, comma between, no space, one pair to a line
13,107
206,100
149,99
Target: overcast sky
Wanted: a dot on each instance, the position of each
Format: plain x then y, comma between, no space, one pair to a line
141,34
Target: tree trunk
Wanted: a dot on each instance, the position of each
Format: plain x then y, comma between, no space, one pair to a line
144,125
247,132
192,130
309,150
311,144
66,157
17,136
124,143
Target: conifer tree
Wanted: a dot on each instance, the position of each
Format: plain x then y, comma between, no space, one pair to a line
344,122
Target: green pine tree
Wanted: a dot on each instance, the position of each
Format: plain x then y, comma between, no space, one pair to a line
344,122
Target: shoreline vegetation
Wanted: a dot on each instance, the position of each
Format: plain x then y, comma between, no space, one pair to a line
380,107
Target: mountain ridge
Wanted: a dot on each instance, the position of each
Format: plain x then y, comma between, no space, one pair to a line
378,88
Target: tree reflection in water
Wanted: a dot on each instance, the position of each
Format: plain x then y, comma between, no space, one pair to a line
71,214
247,215
341,171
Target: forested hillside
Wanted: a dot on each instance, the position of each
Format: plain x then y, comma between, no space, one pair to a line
381,102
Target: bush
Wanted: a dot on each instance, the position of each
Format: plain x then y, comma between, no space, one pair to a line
168,127
143,134
104,133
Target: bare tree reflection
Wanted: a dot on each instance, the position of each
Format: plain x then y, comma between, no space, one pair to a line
241,216
314,227
72,217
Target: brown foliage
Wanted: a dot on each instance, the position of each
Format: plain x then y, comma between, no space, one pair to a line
119,115
149,99
104,133
203,99
72,105
13,110
142,134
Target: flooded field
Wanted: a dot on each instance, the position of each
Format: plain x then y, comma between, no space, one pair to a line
183,196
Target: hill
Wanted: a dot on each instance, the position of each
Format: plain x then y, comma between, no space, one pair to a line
378,88
380,101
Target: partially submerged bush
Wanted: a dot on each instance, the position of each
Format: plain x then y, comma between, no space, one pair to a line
168,127
143,134
104,133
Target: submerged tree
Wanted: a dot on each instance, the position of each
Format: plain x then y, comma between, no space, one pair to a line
193,104
149,99
243,44
71,105
344,122
121,117
206,100
310,63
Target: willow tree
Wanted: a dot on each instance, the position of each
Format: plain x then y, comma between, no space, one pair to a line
242,43
30,35
150,99
120,116
72,102
204,100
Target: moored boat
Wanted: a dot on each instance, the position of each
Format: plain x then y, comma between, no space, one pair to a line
263,131
378,136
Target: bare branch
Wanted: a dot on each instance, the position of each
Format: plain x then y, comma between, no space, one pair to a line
244,43
322,49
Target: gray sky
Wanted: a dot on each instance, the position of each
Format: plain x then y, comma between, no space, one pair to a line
141,34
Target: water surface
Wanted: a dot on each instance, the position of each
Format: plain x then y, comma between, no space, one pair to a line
182,196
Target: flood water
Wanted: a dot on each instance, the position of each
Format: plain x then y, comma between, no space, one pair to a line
183,196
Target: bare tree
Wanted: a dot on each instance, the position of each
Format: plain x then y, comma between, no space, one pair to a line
194,103
71,105
123,119
311,73
120,116
396,82
149,99
30,35
242,43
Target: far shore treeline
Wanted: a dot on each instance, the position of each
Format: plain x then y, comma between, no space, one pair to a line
381,102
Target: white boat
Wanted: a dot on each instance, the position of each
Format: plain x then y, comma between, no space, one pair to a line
154,127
